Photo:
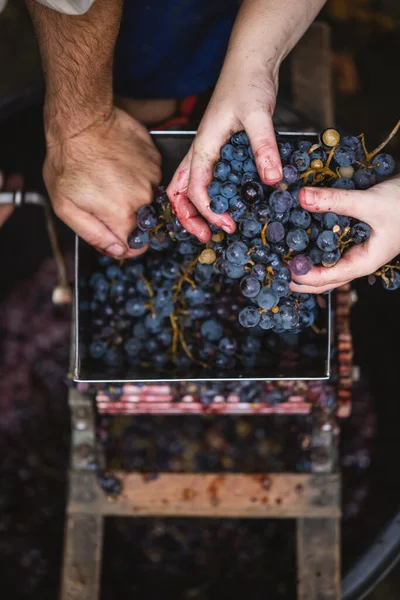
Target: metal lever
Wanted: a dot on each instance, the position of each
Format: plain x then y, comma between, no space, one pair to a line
62,294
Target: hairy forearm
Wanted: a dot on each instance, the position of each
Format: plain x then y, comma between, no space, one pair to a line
266,30
77,56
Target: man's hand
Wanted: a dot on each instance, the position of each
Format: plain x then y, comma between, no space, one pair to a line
99,178
101,164
379,207
244,98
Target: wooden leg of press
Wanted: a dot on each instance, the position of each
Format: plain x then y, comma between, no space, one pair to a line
82,557
318,559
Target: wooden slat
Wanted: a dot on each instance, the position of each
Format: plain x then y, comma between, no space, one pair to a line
82,557
318,557
283,495
130,406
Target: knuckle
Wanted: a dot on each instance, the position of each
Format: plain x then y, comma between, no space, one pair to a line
60,208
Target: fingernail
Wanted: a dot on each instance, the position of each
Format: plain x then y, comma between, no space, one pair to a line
309,197
116,250
227,225
273,174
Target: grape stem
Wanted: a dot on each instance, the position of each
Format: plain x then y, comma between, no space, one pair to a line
263,232
381,146
185,277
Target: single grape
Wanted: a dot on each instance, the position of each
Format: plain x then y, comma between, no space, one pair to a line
252,192
344,156
297,239
301,264
146,218
214,188
315,255
330,220
138,239
236,253
360,232
237,166
234,271
249,317
280,202
135,307
235,177
249,227
344,183
394,282
267,298
364,179
170,268
300,218
248,176
228,190
219,204
261,212
281,288
227,152
267,321
221,171
250,287
300,160
212,330
260,255
290,174
228,346
259,271
329,259
304,145
285,150
113,272
132,347
330,137
97,349
288,317
249,166
384,164
194,296
282,273
240,153
346,172
318,154
327,240
275,232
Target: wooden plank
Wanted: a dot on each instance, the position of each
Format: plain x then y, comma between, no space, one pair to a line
82,557
129,406
283,495
318,558
312,76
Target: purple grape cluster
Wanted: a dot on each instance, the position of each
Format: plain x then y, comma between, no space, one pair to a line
277,238
186,303
175,310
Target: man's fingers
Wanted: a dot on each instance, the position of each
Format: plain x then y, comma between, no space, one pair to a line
348,203
260,131
89,228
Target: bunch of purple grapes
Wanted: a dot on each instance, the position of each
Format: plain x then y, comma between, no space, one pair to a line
162,312
277,238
